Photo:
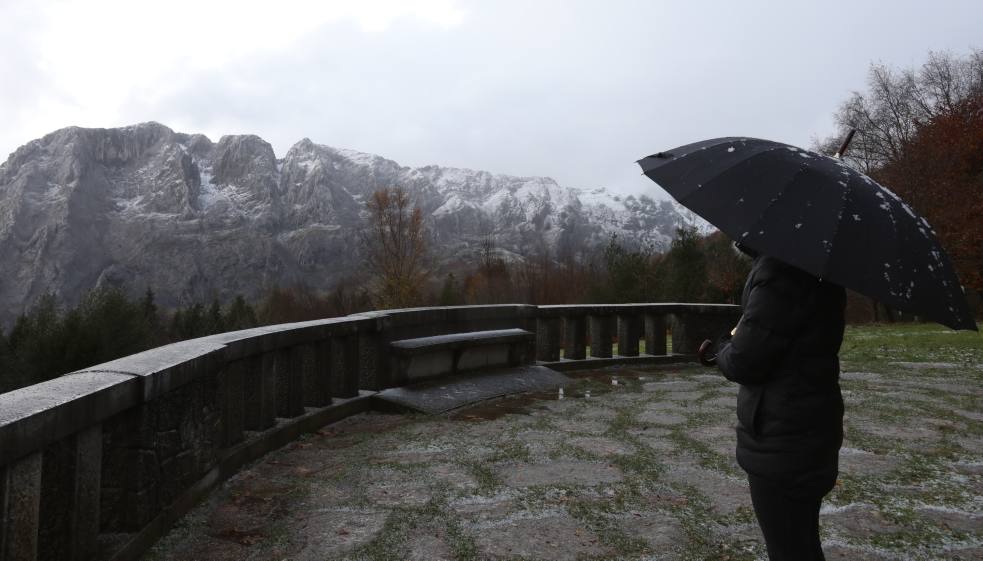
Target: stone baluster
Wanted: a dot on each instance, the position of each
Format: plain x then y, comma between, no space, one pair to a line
548,339
344,365
315,373
690,329
231,387
575,337
260,391
373,373
601,333
655,334
288,365
70,490
629,332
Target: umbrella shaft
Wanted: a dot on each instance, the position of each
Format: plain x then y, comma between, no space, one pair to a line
846,143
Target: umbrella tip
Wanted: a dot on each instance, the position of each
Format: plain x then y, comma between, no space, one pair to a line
660,155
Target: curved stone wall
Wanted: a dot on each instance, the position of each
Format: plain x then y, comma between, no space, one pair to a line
97,464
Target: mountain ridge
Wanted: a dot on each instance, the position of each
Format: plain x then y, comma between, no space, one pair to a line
145,206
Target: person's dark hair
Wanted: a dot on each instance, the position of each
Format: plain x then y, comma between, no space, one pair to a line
746,250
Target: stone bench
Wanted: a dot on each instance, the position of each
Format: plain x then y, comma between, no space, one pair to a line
441,355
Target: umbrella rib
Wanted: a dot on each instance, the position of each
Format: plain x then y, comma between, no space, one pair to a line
836,230
777,197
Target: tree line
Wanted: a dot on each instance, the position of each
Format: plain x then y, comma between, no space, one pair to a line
920,134
49,340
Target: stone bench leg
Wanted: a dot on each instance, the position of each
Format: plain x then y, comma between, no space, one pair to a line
518,353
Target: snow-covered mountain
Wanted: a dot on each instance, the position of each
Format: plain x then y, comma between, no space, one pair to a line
194,219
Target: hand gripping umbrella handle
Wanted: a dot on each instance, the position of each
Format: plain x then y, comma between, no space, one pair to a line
706,358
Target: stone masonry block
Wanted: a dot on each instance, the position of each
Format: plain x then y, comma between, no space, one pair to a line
20,501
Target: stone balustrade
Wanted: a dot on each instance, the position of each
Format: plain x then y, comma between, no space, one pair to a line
97,464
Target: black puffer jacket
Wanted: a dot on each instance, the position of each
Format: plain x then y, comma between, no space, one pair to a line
785,357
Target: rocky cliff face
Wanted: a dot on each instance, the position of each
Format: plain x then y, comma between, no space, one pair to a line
146,206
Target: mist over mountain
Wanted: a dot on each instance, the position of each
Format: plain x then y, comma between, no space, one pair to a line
144,206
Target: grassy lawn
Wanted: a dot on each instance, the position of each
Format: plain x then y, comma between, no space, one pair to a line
874,345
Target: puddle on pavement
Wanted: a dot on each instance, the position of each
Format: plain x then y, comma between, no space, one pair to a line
593,383
520,404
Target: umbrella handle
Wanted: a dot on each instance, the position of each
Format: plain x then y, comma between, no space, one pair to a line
704,355
845,144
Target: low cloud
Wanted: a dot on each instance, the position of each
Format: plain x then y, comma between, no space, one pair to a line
574,90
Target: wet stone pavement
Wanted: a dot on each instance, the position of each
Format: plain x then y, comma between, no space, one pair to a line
641,470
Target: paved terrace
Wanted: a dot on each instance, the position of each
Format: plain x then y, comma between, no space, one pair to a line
639,470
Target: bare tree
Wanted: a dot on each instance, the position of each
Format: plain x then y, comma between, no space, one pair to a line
395,245
918,132
897,102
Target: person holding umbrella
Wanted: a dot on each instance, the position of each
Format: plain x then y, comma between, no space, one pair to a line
783,353
814,227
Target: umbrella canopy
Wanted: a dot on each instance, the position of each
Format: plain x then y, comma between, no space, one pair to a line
818,214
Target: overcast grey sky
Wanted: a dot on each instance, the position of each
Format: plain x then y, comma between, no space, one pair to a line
575,90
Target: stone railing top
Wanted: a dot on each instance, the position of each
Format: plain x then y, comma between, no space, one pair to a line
662,307
34,416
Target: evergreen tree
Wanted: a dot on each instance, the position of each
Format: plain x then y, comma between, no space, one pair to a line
450,294
686,268
38,342
240,315
8,368
188,323
629,274
214,321
118,324
157,336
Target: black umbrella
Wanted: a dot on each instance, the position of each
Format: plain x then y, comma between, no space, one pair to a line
818,214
